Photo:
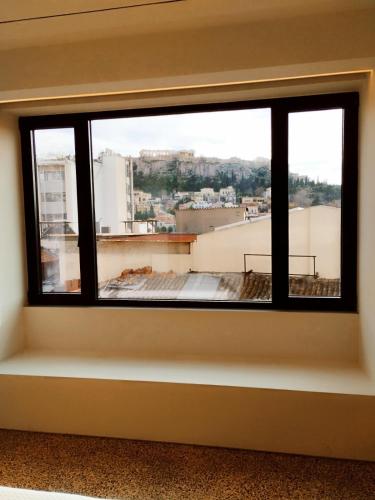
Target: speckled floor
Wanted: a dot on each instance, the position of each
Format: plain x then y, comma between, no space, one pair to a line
121,469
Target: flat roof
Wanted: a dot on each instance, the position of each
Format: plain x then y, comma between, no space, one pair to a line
153,237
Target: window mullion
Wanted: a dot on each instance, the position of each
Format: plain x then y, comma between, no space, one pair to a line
87,239
280,206
31,208
349,222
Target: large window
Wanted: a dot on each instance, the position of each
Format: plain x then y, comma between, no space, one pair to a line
245,204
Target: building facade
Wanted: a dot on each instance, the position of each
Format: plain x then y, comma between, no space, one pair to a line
114,194
200,221
57,187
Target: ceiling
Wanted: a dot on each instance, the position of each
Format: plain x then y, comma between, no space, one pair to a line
166,16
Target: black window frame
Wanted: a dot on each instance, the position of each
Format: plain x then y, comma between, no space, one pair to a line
280,109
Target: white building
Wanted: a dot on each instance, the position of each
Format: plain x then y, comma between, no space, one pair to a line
141,197
209,194
114,197
197,197
182,194
142,201
268,193
228,194
246,200
252,209
114,200
57,190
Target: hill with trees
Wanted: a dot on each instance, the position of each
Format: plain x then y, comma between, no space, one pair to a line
248,178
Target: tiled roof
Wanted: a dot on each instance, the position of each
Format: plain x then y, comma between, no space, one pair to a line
212,286
48,256
309,286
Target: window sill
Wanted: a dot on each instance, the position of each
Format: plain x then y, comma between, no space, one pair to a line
338,379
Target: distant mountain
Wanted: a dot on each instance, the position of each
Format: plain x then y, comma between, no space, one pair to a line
187,173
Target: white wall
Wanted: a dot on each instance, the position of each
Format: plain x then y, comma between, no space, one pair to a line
113,258
223,250
12,254
111,192
313,231
316,231
366,265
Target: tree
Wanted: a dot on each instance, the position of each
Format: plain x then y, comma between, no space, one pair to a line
302,198
149,214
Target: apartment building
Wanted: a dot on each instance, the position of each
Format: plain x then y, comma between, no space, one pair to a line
228,194
58,194
245,200
114,194
142,201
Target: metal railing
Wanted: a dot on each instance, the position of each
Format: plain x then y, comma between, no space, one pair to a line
61,227
150,223
313,257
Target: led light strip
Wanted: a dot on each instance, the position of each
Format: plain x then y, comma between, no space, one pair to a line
361,72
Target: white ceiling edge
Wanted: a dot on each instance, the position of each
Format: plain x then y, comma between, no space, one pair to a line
283,75
163,18
138,101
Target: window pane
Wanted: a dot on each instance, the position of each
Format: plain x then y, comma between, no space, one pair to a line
58,213
182,206
315,177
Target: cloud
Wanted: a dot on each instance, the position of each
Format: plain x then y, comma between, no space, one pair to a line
315,138
245,133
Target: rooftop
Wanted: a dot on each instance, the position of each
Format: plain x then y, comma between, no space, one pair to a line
48,256
210,207
151,238
212,286
133,238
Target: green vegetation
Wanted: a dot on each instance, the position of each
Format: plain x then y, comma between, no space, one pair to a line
163,229
302,190
305,192
171,181
150,214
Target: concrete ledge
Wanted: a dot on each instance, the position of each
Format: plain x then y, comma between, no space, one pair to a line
241,373
331,425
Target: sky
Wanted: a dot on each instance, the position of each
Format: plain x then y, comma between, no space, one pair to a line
315,144
315,138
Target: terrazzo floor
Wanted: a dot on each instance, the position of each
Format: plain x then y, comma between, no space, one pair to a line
123,469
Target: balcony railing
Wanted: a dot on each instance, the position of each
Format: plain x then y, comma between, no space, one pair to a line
313,257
